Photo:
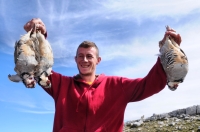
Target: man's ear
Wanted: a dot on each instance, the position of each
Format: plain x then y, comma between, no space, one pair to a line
75,58
98,60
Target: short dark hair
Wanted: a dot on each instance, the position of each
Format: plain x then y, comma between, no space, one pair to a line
88,44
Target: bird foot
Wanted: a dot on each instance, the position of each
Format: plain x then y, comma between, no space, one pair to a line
31,85
172,85
45,84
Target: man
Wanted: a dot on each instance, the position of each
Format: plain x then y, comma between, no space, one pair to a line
96,103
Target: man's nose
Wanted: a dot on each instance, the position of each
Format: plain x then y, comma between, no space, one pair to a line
85,59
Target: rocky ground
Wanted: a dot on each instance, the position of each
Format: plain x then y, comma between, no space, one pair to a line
181,120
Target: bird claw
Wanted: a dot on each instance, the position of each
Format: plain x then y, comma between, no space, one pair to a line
172,86
31,85
172,89
46,84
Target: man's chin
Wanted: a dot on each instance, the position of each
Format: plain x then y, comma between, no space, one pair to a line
85,74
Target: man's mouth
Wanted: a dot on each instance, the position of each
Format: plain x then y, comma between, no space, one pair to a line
84,66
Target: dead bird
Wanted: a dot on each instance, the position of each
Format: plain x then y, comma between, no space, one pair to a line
44,67
26,59
174,61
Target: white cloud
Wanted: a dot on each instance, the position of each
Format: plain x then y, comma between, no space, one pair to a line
146,9
36,111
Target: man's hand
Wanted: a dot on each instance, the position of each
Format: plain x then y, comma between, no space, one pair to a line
39,25
171,32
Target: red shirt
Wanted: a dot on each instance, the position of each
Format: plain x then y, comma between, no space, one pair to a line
99,107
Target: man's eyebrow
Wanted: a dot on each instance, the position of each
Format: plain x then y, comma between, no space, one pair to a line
80,53
89,54
85,54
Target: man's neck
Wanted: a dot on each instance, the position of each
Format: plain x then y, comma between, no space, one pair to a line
88,78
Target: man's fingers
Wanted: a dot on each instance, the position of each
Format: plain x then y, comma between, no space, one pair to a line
27,26
170,29
174,35
41,28
178,39
39,25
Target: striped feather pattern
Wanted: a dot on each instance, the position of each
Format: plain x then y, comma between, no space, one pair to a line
174,62
33,58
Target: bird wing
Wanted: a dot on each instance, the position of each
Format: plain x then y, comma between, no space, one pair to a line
14,78
16,52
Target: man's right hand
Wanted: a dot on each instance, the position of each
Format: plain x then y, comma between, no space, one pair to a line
173,34
39,25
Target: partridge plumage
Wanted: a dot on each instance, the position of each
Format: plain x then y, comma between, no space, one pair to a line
25,58
45,63
33,60
174,62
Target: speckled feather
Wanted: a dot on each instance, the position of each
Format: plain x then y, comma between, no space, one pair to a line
174,62
33,58
25,58
45,64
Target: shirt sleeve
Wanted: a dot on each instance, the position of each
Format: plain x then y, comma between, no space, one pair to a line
55,79
141,88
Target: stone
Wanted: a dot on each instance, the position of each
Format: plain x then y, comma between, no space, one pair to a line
198,130
198,109
173,113
181,111
164,116
191,110
186,120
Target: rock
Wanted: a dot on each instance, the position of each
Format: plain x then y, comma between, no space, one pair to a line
198,109
186,120
198,130
136,124
181,111
173,113
191,110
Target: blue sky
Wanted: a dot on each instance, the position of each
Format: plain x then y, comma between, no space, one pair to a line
127,33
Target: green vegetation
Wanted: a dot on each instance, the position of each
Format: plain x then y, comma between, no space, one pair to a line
170,124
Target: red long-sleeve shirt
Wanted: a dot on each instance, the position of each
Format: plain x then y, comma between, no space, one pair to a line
80,107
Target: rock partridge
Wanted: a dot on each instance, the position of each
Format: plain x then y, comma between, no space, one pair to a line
45,63
25,58
174,62
33,60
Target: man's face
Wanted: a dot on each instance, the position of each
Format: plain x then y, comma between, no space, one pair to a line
86,60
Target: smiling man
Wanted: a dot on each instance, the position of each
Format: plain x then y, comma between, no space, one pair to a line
87,57
96,103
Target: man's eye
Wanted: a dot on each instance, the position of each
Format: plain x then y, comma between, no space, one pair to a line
89,57
80,56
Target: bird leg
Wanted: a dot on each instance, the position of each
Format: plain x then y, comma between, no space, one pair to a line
43,80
